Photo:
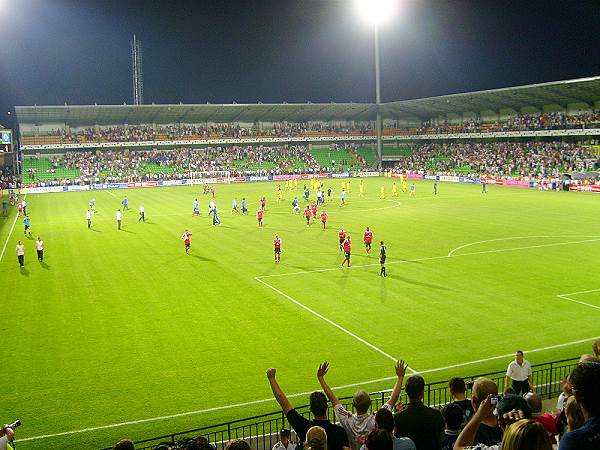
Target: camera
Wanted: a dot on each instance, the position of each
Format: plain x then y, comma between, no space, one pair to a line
494,400
15,424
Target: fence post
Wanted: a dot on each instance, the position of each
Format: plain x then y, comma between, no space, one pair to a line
551,378
229,432
428,394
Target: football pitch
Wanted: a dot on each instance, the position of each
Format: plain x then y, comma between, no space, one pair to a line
121,334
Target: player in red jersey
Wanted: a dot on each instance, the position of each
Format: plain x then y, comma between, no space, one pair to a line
342,236
259,216
324,219
347,247
213,191
307,214
368,238
187,241
314,209
263,203
277,245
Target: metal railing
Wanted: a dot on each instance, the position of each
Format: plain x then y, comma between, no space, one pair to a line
261,431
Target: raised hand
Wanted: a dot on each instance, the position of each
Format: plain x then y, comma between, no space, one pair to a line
322,370
271,373
401,368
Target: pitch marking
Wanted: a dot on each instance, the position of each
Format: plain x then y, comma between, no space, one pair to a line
568,297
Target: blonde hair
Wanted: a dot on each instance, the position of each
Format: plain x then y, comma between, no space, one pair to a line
361,401
316,439
526,434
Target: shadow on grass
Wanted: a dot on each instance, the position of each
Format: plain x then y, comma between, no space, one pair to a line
127,231
419,283
44,265
201,258
95,231
24,272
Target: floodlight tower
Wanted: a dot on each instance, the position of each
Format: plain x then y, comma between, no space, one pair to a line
376,13
136,69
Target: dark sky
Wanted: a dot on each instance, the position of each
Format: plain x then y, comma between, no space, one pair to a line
77,51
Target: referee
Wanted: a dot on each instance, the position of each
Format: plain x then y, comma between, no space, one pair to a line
519,374
382,256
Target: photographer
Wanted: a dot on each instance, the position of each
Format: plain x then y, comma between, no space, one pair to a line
6,436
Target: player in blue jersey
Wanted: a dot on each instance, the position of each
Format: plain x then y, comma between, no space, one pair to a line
196,211
435,190
215,214
27,223
234,207
295,206
93,206
125,203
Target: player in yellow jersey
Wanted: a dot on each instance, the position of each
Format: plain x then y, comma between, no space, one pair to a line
295,184
382,192
394,190
404,186
348,186
279,194
361,189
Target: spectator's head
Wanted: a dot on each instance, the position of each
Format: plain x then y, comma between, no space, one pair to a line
526,434
585,380
384,419
316,439
596,348
453,416
285,435
414,388
574,414
481,389
318,404
457,388
124,444
378,439
534,401
237,444
361,401
588,358
519,357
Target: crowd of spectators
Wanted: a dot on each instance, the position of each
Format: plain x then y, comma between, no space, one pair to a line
7,179
517,160
490,420
112,166
138,133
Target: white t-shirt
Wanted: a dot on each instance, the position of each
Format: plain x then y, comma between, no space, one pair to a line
20,250
39,245
88,215
355,425
3,443
517,372
118,215
142,208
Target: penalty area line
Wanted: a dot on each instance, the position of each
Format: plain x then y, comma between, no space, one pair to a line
330,322
271,399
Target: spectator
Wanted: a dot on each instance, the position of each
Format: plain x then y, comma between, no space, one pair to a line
384,420
379,439
237,444
316,439
573,414
453,417
534,401
588,358
6,437
336,436
124,444
424,425
458,391
488,432
596,348
359,424
519,374
526,435
585,380
284,442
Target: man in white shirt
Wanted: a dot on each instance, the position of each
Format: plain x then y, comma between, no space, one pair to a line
358,425
284,440
6,437
88,217
142,211
118,219
24,205
519,375
21,253
39,246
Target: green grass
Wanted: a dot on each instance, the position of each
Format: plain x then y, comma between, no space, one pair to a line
122,325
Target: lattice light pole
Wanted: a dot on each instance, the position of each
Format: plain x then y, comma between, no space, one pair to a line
137,73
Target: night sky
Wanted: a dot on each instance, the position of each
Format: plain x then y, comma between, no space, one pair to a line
77,51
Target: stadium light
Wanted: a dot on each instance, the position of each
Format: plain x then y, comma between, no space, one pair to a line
377,12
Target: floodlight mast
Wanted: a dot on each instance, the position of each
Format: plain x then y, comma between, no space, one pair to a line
376,12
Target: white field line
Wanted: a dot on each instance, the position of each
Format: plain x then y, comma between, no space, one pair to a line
514,238
568,297
270,399
110,193
10,232
331,322
430,258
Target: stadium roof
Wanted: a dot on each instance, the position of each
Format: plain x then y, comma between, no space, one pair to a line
586,90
